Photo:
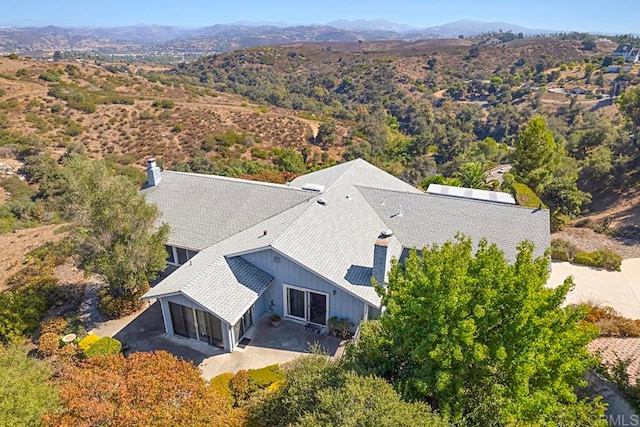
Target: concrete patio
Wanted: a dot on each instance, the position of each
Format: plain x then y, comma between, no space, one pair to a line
144,331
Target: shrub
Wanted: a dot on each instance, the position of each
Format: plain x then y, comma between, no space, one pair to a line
266,376
525,196
122,305
240,386
221,385
57,325
103,347
164,103
611,323
340,326
21,311
602,258
88,341
562,250
48,344
50,76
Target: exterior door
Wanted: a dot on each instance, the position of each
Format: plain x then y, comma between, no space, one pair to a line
306,305
317,308
183,320
296,303
209,328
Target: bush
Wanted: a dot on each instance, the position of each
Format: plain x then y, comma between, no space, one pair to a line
164,103
122,305
221,385
21,311
48,344
88,341
611,323
607,259
264,377
525,196
103,347
340,326
240,386
562,250
57,325
602,258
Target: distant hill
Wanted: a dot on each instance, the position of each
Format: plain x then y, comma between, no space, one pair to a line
467,28
371,25
170,40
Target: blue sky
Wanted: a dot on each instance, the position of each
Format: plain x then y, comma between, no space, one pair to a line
580,15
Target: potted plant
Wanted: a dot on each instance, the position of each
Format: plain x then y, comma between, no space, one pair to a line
275,320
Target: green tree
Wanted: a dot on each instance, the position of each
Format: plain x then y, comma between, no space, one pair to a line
25,391
115,233
629,105
482,340
537,155
289,160
317,392
326,136
472,175
564,199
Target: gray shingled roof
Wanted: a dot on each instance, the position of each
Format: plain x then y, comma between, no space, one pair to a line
205,209
335,239
427,218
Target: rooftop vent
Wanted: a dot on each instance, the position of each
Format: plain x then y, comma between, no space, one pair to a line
386,233
318,188
322,201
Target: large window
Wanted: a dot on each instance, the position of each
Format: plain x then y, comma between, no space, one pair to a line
306,305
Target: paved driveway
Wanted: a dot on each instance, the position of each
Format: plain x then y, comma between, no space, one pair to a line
144,331
618,289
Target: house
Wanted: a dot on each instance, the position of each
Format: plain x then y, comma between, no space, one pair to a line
306,250
576,90
629,52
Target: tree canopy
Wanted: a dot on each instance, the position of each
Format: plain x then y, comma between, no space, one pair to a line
144,389
480,339
317,392
25,391
115,232
537,155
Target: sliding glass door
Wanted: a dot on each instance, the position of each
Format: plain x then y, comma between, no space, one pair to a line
306,305
195,324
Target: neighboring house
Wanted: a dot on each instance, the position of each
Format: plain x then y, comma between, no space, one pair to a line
306,250
629,52
576,90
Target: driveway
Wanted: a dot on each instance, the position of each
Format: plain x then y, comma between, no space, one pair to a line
618,289
144,331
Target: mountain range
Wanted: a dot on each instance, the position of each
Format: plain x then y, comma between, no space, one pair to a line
37,41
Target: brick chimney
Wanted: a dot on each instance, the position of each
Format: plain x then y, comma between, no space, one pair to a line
381,257
153,173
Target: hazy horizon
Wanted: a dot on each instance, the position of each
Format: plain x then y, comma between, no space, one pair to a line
571,15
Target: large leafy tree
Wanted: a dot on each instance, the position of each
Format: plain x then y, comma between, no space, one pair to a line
481,339
629,106
25,390
317,392
144,389
537,155
115,230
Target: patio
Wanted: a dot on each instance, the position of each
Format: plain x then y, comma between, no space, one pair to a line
267,346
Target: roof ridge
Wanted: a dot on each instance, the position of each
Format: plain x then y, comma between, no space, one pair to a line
465,199
239,180
353,162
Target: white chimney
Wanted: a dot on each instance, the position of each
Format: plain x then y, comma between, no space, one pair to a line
153,173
